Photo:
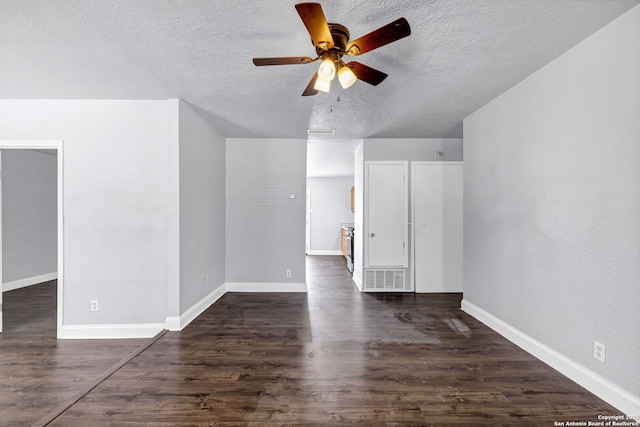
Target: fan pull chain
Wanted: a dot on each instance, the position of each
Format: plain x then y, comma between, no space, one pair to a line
331,104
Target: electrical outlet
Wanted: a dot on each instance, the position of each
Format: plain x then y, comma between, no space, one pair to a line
288,273
94,305
599,351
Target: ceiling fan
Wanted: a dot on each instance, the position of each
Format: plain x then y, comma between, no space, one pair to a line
332,42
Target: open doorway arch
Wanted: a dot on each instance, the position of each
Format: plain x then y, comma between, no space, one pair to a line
58,146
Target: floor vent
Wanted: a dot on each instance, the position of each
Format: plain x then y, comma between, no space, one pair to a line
384,280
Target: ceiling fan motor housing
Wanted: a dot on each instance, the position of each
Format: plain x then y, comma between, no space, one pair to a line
340,35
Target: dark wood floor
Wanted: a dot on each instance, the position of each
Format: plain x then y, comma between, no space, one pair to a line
37,371
331,357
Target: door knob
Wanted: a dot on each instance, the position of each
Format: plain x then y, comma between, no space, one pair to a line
372,235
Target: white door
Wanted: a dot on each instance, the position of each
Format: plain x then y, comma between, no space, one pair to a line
386,214
437,226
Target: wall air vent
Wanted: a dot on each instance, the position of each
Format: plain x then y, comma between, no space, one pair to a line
321,131
385,280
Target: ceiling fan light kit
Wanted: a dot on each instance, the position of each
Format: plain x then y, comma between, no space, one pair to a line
332,43
322,85
346,76
327,70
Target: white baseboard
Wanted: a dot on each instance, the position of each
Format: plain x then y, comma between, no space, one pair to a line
90,332
29,281
336,252
357,281
601,387
173,323
266,287
179,323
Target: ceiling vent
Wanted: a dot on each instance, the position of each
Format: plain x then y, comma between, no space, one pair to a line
321,131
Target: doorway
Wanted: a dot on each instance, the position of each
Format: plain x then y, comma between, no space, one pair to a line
330,177
56,146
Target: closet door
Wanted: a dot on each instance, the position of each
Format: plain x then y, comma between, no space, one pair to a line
437,214
386,214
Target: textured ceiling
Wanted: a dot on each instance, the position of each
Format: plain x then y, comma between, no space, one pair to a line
460,55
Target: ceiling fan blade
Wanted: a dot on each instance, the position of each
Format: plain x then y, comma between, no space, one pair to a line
309,89
384,35
313,18
366,73
284,60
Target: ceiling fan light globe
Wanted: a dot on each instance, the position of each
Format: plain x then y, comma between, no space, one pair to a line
346,77
327,70
322,85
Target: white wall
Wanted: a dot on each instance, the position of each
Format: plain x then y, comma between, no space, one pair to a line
202,208
552,209
29,215
265,229
152,202
115,202
417,149
330,206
